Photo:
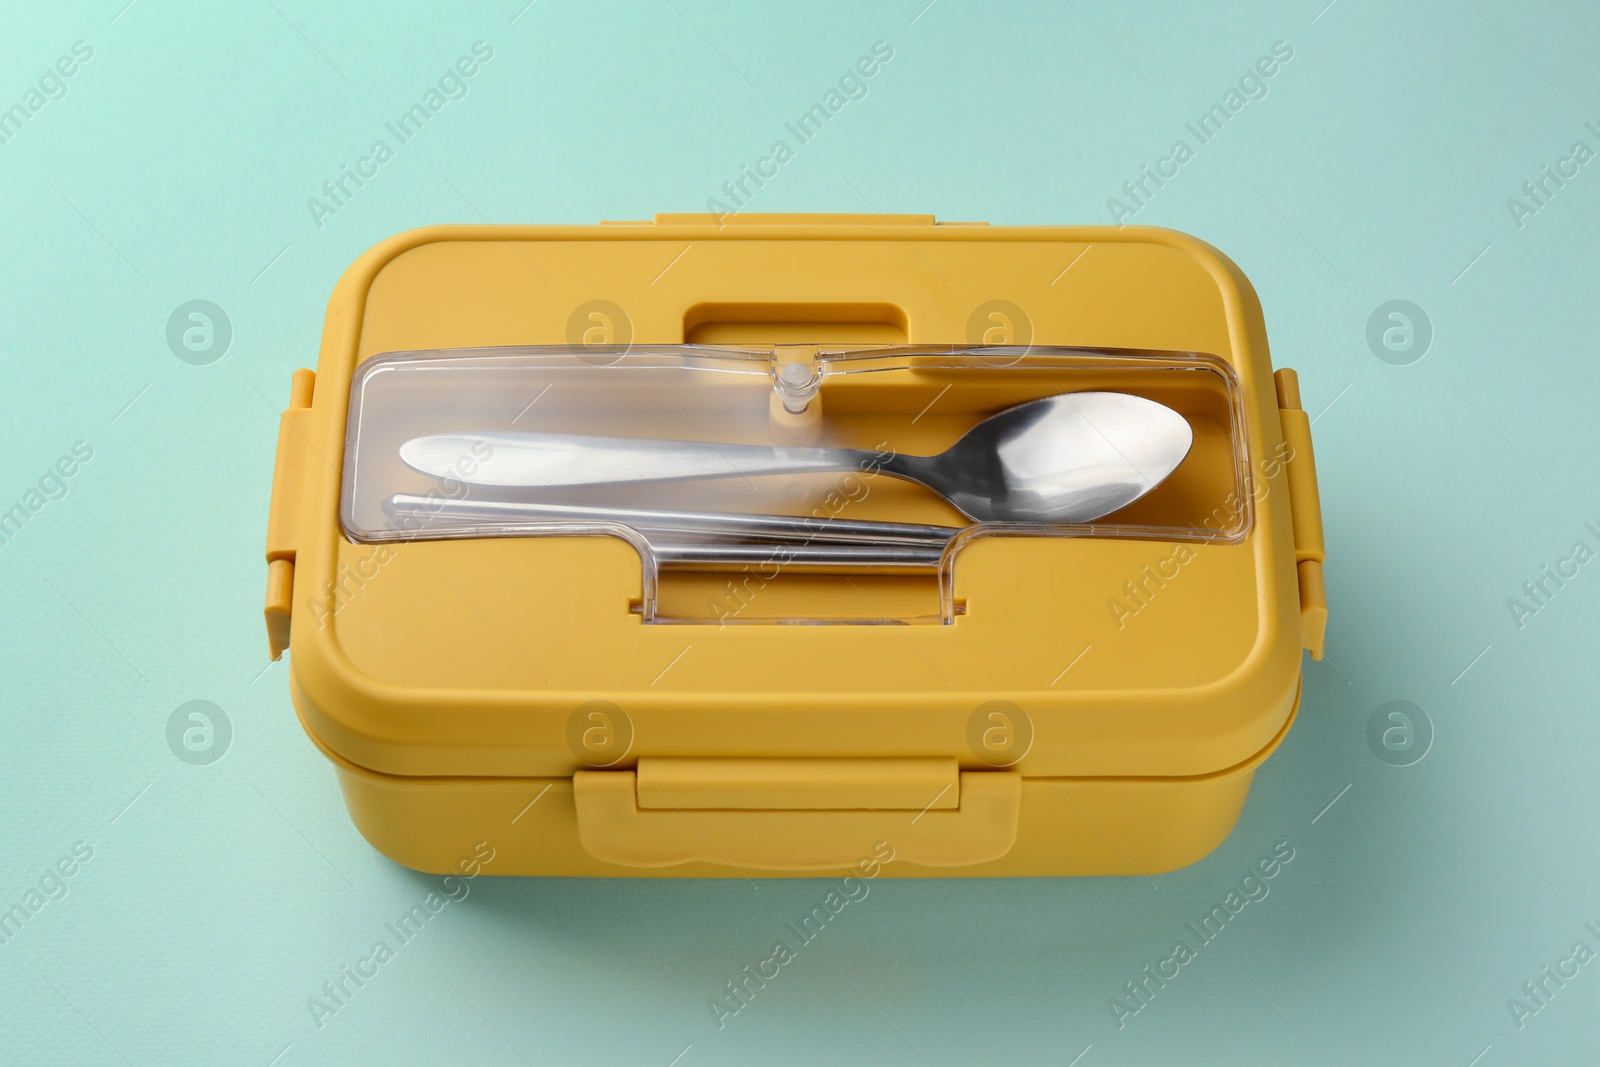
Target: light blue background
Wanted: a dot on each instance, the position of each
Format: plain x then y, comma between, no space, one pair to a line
1378,167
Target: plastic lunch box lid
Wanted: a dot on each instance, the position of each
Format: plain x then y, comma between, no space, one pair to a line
469,658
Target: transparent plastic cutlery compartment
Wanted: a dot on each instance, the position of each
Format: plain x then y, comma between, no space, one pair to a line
877,460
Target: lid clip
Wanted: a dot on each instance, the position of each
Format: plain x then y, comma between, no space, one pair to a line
1305,506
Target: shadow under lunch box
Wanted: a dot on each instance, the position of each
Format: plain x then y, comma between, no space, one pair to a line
541,594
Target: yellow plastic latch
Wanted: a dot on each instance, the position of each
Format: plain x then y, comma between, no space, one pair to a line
799,784
1305,506
796,814
280,595
284,515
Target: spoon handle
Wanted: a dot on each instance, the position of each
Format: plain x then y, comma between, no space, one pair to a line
524,459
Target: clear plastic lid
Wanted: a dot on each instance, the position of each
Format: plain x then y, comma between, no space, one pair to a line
870,461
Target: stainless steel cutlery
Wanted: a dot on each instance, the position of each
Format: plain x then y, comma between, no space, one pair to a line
1069,458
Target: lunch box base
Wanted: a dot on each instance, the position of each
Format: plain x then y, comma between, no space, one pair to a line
1064,827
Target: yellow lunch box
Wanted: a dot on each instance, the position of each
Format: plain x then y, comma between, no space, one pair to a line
528,660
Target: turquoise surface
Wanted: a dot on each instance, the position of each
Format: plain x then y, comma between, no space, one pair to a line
1383,160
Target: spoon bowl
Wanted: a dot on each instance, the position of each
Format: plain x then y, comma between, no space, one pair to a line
1067,458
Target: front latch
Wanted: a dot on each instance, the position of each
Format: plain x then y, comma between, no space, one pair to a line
796,814
799,784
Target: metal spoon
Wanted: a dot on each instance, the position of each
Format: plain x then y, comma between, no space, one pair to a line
1066,458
